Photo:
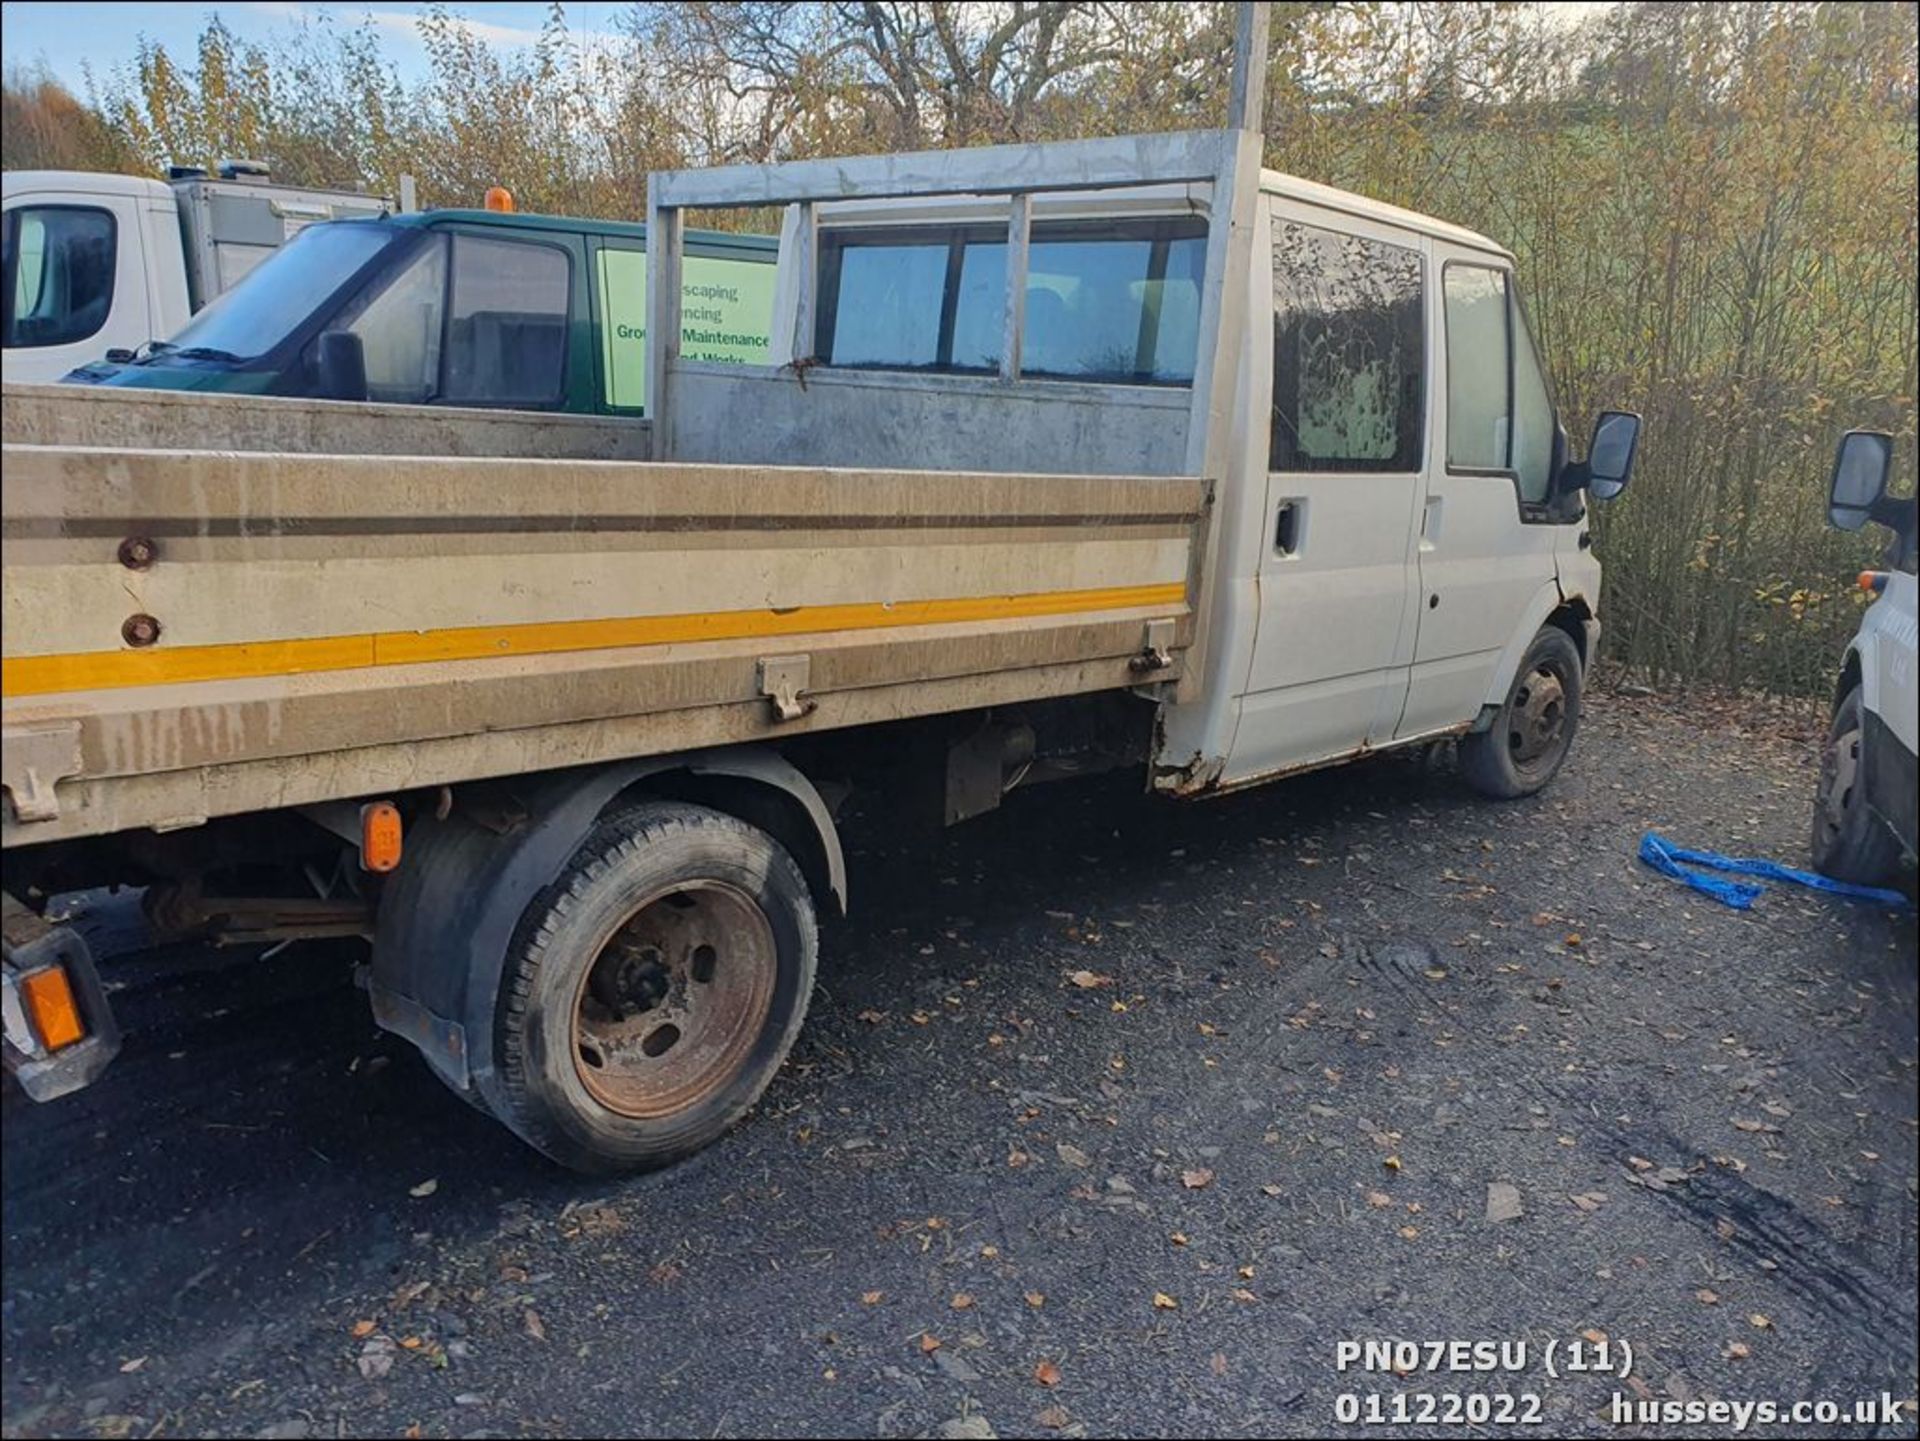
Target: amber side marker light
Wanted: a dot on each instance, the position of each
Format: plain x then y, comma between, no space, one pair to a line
499,198
379,836
56,1016
1873,581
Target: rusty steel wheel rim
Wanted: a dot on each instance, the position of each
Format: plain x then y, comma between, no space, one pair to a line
1537,716
672,1003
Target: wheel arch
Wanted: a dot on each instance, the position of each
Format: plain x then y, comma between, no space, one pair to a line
449,913
1550,606
1853,672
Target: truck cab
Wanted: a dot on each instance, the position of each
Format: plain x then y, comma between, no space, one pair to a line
469,308
1864,810
99,264
92,262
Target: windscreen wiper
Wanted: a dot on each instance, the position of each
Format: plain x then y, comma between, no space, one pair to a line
208,352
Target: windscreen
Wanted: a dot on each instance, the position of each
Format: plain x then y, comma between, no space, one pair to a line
281,292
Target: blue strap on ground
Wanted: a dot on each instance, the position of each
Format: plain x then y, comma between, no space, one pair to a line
1670,860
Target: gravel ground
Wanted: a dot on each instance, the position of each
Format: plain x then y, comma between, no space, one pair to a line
1112,1116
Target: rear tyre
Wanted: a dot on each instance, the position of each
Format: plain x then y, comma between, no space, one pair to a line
1849,841
653,989
1529,739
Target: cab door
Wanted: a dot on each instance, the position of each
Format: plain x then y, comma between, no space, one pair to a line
1485,552
74,282
1346,453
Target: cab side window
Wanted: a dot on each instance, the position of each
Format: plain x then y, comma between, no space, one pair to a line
59,266
1349,348
1111,301
400,329
506,339
1499,411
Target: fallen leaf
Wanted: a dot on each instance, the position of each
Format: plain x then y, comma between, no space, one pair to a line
1179,1238
1707,1297
1089,981
1241,1293
871,1016
1246,1273
129,1367
1047,1374
929,1344
1036,1299
1738,1350
1163,1302
361,1329
1054,1418
1379,1200
425,1188
872,1298
1196,1180
1760,1320
1218,1365
1271,1190
536,1328
1392,1163
962,1301
1595,1335
1409,1232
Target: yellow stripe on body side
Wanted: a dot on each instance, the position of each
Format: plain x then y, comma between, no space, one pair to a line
102,670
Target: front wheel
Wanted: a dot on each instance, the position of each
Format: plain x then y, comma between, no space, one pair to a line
653,989
1530,736
1849,842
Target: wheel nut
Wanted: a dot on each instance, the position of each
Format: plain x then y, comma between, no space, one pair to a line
140,630
137,552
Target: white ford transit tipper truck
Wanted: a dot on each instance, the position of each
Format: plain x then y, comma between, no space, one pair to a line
98,263
1066,456
1864,811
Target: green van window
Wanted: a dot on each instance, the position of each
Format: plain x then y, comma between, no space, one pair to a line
726,315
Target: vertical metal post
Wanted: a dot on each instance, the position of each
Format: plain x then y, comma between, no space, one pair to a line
806,279
1019,225
663,316
1247,95
1213,446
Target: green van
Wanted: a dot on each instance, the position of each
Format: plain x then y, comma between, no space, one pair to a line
460,307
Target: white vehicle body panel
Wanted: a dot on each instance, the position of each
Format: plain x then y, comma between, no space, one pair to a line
149,296
1886,645
158,283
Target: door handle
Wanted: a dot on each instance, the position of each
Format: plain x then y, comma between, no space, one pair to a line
1286,528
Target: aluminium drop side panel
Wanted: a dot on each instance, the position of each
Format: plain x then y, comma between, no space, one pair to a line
334,626
102,417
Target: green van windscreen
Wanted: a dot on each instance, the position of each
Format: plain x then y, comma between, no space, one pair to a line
726,315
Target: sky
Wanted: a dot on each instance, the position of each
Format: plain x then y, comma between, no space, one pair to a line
69,34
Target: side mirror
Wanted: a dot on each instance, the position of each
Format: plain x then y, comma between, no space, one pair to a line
343,366
1860,469
1616,436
